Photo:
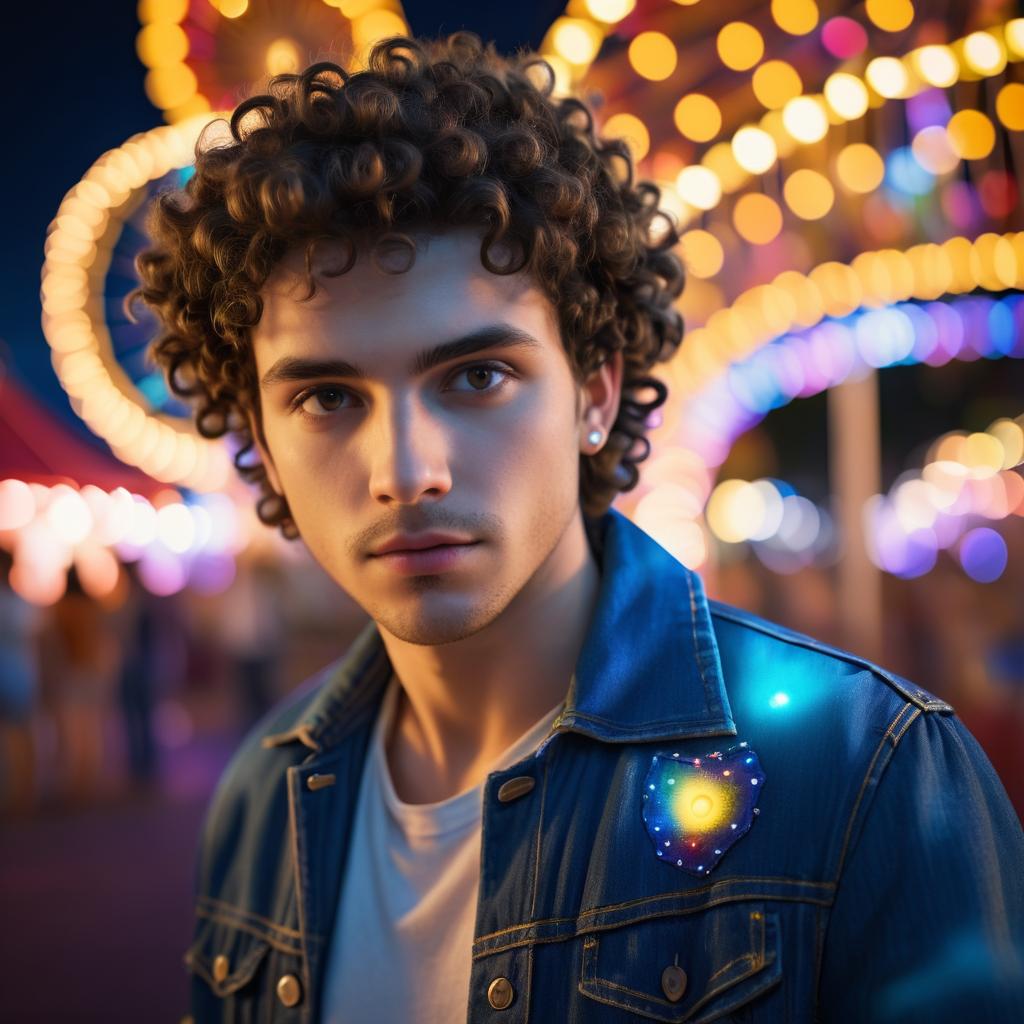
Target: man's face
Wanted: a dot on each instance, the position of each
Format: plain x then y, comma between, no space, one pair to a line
485,444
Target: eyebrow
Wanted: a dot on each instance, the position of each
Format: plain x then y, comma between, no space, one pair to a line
498,335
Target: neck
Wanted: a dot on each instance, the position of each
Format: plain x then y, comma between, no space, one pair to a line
461,705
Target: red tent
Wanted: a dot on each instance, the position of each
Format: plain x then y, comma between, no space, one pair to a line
36,447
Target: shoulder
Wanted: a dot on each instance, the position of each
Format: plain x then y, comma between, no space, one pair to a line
758,649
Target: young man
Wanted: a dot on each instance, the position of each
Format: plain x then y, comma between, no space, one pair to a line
548,782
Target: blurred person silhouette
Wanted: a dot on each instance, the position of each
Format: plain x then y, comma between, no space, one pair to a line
253,632
19,624
140,673
80,664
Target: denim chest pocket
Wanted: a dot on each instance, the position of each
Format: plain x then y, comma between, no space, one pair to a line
697,967
245,971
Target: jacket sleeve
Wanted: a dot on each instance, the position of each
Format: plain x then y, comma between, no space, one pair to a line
928,919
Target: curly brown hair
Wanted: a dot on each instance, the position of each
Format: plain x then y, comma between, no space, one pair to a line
433,134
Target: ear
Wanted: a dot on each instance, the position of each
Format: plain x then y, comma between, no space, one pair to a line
598,402
260,441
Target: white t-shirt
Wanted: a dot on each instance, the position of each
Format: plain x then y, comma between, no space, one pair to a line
401,949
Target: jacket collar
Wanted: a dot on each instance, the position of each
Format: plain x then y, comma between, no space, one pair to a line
649,668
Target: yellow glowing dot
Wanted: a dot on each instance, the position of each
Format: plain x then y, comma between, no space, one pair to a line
890,15
805,119
846,95
808,194
721,159
936,65
1014,31
162,10
888,77
697,117
699,187
376,25
161,44
932,150
797,17
282,57
1010,106
632,130
231,8
195,104
758,220
170,86
610,11
860,168
653,55
971,134
576,40
775,83
740,46
702,253
701,806
754,149
984,54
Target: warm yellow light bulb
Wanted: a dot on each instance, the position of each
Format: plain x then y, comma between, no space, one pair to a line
775,83
754,149
847,95
740,46
805,119
697,117
653,56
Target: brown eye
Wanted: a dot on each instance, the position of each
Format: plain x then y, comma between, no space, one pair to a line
320,402
480,375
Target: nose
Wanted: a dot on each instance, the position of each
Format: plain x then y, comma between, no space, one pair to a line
408,454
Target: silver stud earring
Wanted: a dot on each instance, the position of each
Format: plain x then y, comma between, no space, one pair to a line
595,436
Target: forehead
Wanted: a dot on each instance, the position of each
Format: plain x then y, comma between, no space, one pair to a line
445,293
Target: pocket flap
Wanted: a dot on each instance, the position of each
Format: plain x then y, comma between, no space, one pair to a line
225,956
691,967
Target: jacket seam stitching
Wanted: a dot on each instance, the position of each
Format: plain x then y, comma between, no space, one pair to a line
889,735
250,930
808,643
576,933
232,909
537,847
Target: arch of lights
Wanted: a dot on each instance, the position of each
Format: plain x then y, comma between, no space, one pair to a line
806,328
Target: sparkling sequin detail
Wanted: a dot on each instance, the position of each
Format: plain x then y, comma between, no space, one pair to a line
695,808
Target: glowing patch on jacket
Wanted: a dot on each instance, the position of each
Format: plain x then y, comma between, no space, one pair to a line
695,808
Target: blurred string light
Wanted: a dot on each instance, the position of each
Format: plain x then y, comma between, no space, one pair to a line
178,40
804,119
50,529
966,477
78,249
795,301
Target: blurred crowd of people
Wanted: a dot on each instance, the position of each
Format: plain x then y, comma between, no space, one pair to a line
92,691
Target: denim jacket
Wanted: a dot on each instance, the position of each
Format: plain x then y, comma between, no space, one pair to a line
873,871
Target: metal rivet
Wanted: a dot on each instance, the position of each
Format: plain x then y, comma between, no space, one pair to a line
673,983
500,993
289,991
221,967
515,788
315,782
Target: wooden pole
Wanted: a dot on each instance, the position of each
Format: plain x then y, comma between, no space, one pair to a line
855,475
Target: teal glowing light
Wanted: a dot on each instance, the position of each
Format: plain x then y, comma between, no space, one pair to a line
779,700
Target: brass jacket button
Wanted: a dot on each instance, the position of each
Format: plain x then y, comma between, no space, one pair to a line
221,967
500,993
673,983
515,788
289,991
